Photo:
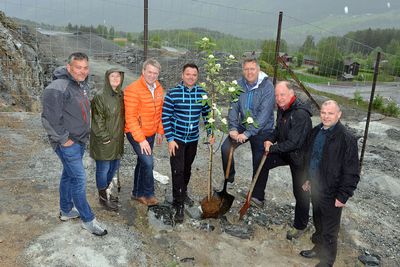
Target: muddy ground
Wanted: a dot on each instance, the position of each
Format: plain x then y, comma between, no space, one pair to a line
32,235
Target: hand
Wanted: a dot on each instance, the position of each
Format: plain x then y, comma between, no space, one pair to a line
159,139
241,138
233,135
172,146
267,145
306,186
339,204
145,147
211,140
68,143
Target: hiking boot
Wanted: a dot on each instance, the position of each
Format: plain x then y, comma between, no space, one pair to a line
152,201
180,213
142,200
188,201
72,214
114,199
105,202
294,233
256,202
94,227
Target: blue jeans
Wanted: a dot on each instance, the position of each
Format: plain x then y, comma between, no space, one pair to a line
73,181
143,182
105,171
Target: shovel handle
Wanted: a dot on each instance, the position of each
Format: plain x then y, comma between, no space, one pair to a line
228,166
255,178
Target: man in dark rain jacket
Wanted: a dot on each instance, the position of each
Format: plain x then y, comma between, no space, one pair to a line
107,134
333,174
293,123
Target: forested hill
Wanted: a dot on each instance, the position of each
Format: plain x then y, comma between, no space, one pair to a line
387,39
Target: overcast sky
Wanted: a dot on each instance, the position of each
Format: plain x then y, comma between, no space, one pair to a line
250,18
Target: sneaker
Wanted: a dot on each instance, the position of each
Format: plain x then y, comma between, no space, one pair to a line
94,227
256,202
188,201
294,233
72,214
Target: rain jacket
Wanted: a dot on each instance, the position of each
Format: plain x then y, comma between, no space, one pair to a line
339,170
142,111
181,113
259,101
107,130
66,109
291,130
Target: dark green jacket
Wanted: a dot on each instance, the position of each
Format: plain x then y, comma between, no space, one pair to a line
108,121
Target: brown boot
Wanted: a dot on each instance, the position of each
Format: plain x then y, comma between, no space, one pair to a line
152,201
106,202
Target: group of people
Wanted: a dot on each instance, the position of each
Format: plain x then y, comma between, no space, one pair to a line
323,160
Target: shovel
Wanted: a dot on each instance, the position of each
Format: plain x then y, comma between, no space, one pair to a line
246,205
226,198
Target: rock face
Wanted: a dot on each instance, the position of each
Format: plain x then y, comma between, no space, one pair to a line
21,75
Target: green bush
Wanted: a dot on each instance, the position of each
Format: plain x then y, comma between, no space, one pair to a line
392,109
378,102
357,97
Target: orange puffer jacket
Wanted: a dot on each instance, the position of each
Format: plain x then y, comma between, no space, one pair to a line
142,111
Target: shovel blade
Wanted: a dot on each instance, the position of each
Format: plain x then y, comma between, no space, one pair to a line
245,207
226,202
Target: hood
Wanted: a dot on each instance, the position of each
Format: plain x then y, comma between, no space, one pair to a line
261,77
63,74
107,85
298,104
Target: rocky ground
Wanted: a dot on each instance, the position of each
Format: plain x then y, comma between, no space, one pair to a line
32,235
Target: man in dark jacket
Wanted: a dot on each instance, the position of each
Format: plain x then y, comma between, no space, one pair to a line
66,118
251,118
333,172
107,134
293,123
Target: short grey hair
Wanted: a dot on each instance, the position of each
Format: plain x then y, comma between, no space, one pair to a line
331,102
153,62
290,85
77,56
250,59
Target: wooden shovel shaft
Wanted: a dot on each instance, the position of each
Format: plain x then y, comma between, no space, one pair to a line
246,205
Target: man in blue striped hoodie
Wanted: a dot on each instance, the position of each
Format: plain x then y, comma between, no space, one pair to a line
181,117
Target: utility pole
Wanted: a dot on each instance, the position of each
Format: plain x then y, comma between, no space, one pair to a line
146,28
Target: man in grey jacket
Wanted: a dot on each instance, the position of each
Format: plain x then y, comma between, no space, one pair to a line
66,119
251,118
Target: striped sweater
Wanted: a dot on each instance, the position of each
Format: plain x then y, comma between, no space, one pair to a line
181,113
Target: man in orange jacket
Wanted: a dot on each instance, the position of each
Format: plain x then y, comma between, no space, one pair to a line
143,101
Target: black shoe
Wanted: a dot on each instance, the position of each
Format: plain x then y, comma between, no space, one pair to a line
312,253
107,204
114,199
180,213
188,201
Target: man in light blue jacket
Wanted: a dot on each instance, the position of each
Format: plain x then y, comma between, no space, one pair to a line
251,118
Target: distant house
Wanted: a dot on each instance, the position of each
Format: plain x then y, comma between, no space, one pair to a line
309,60
351,67
120,39
288,59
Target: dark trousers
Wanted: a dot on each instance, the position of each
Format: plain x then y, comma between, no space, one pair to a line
327,223
302,208
257,151
181,167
